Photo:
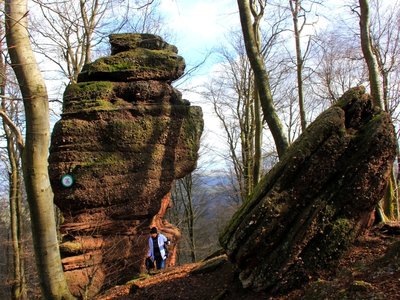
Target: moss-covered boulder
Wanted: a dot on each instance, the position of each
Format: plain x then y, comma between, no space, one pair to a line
107,95
141,60
126,42
312,205
125,135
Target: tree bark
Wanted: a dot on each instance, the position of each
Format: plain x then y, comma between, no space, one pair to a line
35,154
261,78
18,290
257,119
373,72
379,97
187,200
257,141
295,7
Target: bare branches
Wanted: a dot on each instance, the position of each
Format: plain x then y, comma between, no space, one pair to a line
145,5
14,128
69,31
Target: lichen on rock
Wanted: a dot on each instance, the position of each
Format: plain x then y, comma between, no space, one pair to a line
125,135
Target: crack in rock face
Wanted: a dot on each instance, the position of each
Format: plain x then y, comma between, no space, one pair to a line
124,136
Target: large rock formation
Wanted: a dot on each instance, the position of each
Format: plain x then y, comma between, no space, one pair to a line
125,135
312,205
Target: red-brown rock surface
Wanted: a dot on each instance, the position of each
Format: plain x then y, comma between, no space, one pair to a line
124,137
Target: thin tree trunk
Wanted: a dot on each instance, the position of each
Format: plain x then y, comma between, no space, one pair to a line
258,126
24,287
373,72
191,231
244,106
385,86
299,61
261,78
18,287
18,290
257,141
87,27
387,209
190,216
34,160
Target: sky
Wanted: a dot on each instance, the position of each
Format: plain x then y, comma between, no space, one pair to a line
199,27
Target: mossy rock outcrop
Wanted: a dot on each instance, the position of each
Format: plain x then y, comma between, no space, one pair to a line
141,60
311,206
125,135
106,95
127,42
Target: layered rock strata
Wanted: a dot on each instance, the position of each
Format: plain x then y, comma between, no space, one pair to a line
125,135
313,204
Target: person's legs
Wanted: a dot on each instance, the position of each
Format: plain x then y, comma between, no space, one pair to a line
160,264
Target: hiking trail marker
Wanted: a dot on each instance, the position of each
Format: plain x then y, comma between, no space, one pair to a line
67,180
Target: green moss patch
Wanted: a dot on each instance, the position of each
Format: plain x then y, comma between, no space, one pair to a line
94,95
71,248
139,63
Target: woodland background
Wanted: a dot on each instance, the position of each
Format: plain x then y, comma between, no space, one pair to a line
311,51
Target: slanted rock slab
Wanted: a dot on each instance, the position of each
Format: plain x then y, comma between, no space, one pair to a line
313,204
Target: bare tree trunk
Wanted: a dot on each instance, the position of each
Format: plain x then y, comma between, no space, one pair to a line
258,126
257,164
24,287
295,8
34,161
373,72
189,213
389,201
261,78
19,283
18,290
246,140
89,21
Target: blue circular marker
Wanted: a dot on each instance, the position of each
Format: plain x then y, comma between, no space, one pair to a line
67,180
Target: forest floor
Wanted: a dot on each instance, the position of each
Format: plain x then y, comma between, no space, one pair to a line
369,270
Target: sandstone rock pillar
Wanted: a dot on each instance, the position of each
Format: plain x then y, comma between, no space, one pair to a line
124,136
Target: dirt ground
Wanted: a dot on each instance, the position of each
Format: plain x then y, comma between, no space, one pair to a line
370,270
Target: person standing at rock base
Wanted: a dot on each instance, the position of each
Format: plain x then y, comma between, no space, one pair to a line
158,252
